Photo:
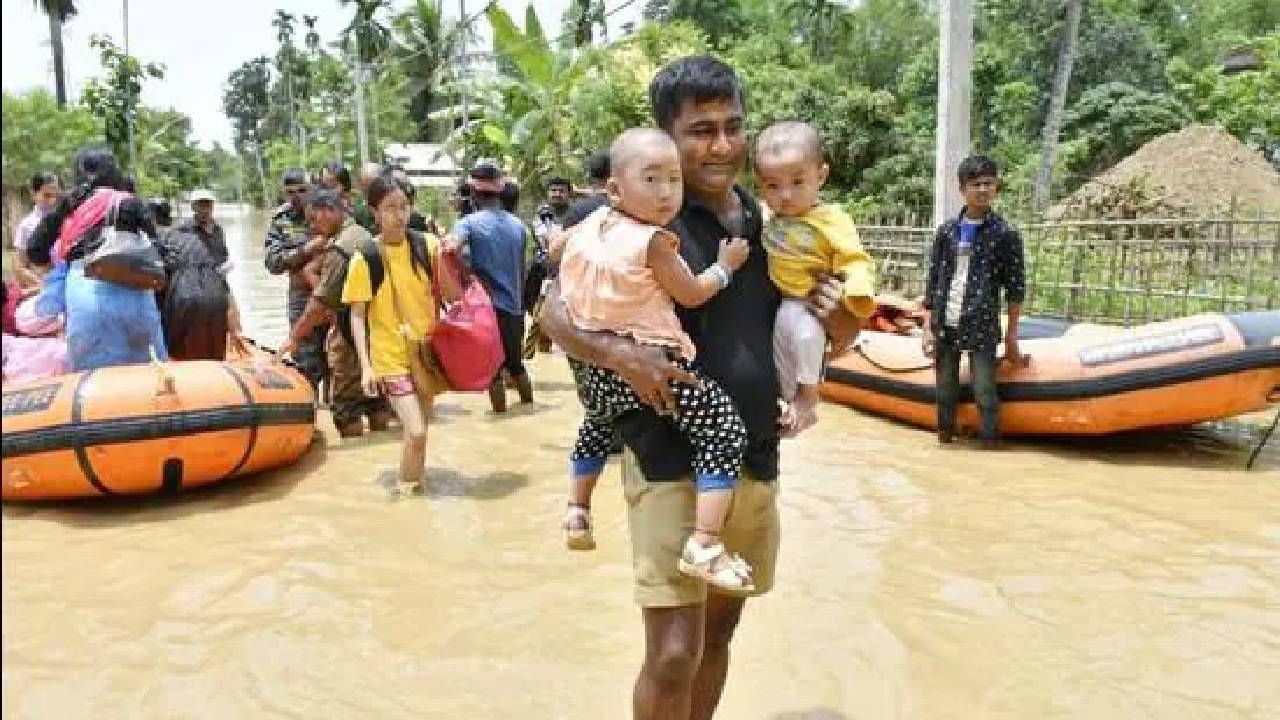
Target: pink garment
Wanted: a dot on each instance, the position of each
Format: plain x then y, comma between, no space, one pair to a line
31,324
12,296
34,358
607,284
90,213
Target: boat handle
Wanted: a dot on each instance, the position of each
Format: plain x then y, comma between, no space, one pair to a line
167,385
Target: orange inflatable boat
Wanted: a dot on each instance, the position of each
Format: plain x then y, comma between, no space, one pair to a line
1083,380
151,428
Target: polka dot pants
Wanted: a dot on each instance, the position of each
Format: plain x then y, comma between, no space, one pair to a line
704,415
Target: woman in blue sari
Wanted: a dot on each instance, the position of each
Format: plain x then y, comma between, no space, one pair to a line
106,324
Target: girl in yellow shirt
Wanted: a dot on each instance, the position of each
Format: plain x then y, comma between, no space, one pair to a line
388,323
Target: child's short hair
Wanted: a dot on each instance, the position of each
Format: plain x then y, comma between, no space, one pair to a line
790,134
976,166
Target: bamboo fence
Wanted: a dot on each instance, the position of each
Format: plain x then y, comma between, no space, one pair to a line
1115,271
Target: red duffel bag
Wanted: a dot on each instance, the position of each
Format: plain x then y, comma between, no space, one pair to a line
466,340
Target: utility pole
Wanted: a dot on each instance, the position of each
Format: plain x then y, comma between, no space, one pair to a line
128,116
955,90
362,140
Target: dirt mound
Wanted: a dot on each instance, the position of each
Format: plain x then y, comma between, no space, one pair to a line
1200,169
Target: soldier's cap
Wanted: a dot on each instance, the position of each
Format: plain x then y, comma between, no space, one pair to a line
323,197
294,177
201,195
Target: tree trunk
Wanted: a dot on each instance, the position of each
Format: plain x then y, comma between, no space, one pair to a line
362,136
375,129
59,67
1057,103
262,173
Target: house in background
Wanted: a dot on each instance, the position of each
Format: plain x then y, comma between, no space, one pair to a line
426,164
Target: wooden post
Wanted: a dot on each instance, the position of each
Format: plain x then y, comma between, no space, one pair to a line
955,87
1073,293
1251,255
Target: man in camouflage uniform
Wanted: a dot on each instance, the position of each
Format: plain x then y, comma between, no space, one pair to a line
289,248
343,236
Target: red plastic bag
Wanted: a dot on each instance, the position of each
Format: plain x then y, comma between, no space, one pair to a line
466,340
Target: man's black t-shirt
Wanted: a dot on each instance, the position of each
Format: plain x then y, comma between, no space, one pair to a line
582,209
733,333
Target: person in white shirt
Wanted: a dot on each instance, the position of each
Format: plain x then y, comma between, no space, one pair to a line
45,191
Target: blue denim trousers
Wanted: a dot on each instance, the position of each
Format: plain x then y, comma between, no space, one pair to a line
982,366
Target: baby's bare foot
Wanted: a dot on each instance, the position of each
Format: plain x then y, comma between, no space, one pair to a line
805,408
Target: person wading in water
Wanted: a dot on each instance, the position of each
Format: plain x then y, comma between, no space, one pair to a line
699,102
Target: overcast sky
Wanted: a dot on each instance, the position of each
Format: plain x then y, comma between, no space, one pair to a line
199,43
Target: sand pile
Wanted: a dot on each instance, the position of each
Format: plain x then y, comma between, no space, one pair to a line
1199,170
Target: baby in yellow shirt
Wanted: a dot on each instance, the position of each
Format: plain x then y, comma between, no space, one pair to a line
806,241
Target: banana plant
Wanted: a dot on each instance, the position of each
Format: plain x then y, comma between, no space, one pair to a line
527,119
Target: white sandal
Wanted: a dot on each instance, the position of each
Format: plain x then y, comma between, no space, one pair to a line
714,565
578,538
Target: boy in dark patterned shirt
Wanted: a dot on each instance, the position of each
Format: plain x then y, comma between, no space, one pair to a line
975,257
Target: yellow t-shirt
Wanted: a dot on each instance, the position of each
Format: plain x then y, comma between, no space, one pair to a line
822,241
388,345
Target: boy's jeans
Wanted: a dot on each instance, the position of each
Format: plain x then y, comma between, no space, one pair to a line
982,365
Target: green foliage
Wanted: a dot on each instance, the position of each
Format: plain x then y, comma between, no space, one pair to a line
864,73
367,34
721,20
1246,104
40,136
527,123
116,97
817,23
581,21
425,46
245,100
1110,122
881,37
784,84
168,162
613,93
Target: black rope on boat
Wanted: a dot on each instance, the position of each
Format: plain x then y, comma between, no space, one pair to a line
287,362
1265,437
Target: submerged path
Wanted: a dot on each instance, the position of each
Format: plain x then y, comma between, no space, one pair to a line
1125,578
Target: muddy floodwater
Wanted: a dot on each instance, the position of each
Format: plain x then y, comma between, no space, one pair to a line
1135,577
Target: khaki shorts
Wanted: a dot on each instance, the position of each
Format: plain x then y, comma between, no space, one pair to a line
660,517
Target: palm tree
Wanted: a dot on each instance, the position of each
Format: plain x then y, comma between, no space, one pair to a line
372,38
283,23
59,11
313,36
425,47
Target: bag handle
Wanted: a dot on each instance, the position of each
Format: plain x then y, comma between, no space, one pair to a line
113,211
450,264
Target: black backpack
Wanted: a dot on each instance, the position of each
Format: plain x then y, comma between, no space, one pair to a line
372,253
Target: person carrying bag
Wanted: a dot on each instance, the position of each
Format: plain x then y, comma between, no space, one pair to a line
124,257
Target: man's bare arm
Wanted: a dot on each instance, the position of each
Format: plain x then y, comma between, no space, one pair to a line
313,316
827,303
644,367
